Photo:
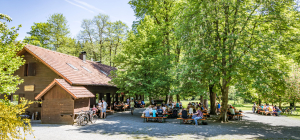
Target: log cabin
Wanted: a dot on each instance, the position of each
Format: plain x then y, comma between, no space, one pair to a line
65,84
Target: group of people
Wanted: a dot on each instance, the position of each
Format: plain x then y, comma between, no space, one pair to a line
173,104
267,108
194,111
100,109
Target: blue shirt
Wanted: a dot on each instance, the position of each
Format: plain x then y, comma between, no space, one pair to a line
154,113
143,102
177,105
219,106
147,113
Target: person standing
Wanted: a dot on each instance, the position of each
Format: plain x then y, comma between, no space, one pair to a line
254,107
104,105
132,106
100,108
219,108
128,101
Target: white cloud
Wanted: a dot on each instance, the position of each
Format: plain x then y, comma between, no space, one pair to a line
90,6
79,6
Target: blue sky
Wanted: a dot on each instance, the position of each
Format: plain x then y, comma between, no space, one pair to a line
26,12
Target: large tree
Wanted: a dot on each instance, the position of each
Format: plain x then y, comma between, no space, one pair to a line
228,41
141,63
162,12
10,123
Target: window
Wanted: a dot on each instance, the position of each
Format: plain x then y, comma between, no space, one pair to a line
86,69
15,99
29,69
104,72
72,66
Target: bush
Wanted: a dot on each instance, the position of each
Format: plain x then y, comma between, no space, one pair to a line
11,123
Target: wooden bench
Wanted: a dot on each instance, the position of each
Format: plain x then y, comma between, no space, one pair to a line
189,119
271,113
163,118
262,112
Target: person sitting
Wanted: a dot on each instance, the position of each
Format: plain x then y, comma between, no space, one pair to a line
177,105
163,104
180,105
150,108
160,112
164,108
231,111
191,110
198,115
147,113
143,103
154,112
184,114
94,109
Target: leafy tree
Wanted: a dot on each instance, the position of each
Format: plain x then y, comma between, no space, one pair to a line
9,62
39,35
101,38
162,12
10,122
58,29
229,41
141,62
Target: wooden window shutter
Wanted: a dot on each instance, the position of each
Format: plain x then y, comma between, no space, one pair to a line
26,70
21,96
31,69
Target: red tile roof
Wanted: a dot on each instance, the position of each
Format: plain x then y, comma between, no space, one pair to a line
75,91
97,74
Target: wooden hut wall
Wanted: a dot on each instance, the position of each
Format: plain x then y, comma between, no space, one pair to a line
42,78
82,104
56,103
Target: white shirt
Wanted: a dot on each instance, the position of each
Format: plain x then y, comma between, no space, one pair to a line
191,110
104,104
164,108
100,104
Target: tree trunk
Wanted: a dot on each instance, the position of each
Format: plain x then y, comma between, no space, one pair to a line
201,99
178,98
167,99
224,102
171,98
259,102
212,100
280,102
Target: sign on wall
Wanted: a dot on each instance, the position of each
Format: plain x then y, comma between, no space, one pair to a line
29,88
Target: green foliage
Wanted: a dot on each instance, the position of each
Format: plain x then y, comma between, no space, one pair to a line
12,126
10,122
39,35
102,39
54,35
142,63
9,61
230,42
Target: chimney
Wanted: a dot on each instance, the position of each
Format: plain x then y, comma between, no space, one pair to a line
82,56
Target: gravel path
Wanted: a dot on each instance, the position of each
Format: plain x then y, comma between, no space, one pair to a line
123,125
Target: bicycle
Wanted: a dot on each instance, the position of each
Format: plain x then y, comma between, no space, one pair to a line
82,119
92,116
